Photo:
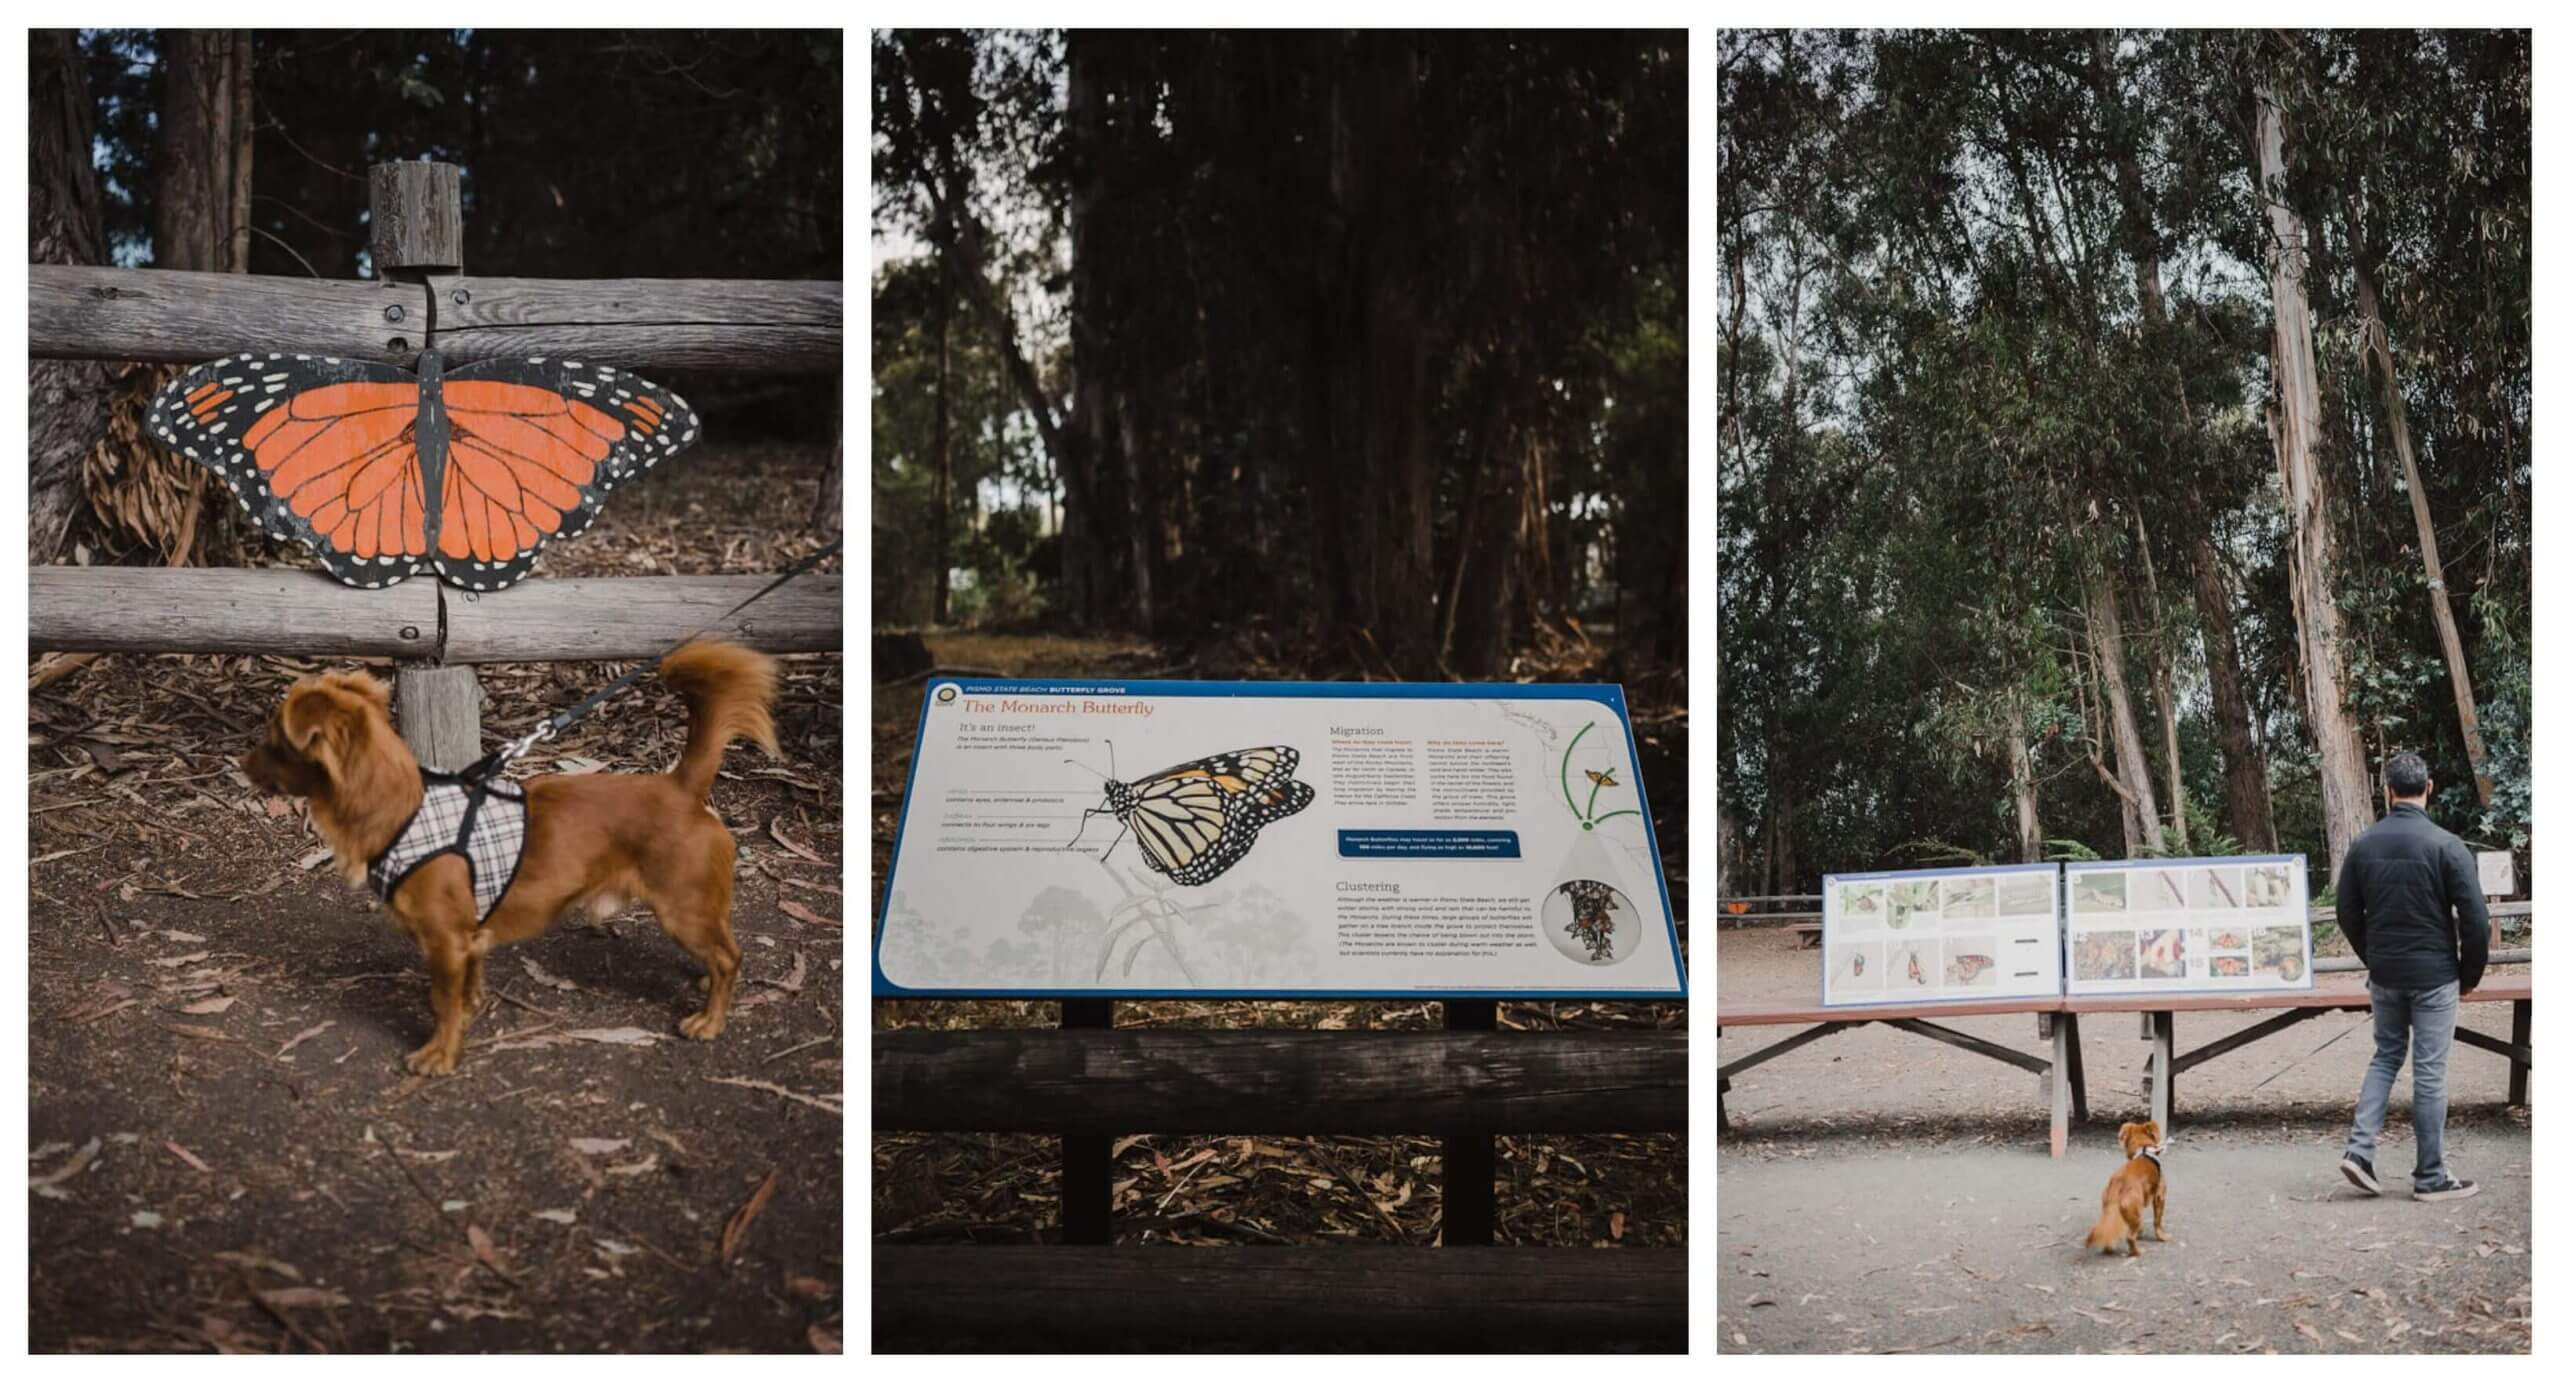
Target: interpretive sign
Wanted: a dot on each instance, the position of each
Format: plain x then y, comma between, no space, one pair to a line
2154,926
1262,839
1939,935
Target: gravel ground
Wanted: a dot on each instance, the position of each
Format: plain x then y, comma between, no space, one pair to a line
1884,1192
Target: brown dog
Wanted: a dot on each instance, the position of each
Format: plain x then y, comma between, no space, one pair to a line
2135,1184
594,840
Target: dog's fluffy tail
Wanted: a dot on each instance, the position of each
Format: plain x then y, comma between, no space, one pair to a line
728,694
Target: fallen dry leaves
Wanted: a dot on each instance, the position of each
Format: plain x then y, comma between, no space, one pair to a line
735,1235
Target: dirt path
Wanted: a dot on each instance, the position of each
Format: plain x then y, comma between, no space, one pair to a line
1979,1250
1884,1192
278,1145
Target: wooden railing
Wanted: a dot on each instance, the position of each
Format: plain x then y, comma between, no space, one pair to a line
1088,1083
423,300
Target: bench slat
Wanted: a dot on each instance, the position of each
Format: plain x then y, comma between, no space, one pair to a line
1500,1298
1118,1081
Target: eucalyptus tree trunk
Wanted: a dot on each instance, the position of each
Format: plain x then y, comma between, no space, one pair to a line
2133,770
2245,802
2163,668
2293,426
2022,787
2377,345
2244,772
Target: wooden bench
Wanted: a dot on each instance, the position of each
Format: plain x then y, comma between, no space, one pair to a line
2053,1026
2160,1011
1087,1081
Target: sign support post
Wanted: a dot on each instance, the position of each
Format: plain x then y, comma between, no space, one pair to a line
1084,1185
1466,1159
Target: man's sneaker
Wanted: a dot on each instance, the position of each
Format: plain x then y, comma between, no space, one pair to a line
2360,1174
2453,1189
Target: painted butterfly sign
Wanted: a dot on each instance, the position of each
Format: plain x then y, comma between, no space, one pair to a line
467,472
1306,838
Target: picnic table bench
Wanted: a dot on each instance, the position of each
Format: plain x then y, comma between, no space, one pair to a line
2058,1026
2053,1026
2331,993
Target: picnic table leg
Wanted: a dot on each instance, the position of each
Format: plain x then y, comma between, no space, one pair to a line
1723,1124
2079,1077
2521,1036
2164,1059
2057,1078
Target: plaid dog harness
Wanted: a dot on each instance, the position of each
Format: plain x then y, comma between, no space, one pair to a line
478,819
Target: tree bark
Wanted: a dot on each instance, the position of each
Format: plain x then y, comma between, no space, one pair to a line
68,401
2133,771
2163,669
2022,788
2293,426
942,451
2244,774
201,206
2377,346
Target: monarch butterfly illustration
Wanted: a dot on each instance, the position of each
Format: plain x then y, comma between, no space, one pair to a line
1965,969
1193,821
385,473
1602,777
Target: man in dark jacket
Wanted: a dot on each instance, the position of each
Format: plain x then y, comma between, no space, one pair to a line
2399,892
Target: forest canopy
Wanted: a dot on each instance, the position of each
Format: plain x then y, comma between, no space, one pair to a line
2124,442
1365,348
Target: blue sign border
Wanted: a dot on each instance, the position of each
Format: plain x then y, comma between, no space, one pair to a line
1608,694
2310,978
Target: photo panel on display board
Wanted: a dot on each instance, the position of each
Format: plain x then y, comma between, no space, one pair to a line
2196,925
1940,935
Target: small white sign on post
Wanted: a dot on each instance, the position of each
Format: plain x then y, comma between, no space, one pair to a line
2497,872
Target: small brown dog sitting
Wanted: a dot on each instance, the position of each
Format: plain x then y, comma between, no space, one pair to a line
444,852
2135,1184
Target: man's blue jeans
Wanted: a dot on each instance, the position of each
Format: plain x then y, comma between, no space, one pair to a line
2403,1018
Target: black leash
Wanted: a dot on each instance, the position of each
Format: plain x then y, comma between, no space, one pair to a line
498,758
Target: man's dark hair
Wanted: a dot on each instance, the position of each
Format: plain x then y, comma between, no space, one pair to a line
2406,773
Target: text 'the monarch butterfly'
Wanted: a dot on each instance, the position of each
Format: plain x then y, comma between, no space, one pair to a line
466,472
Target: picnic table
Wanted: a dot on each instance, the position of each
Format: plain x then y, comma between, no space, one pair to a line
2058,1027
2331,993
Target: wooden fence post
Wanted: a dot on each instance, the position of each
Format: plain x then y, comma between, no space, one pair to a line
417,231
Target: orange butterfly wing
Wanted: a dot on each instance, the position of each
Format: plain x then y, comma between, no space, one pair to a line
536,446
328,451
316,448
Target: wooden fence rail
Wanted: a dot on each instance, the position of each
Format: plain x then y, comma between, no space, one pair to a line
1100,1081
1562,1300
299,613
77,312
1462,1083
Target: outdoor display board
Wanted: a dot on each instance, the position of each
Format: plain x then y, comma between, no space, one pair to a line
1940,935
2156,926
1250,839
